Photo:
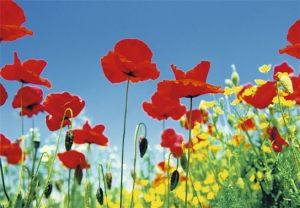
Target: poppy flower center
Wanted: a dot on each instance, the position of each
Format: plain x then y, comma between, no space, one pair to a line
130,74
30,107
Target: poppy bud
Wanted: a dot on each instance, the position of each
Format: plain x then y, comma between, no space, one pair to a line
78,174
108,179
58,185
228,83
143,145
48,190
69,140
19,201
99,195
183,162
174,180
235,78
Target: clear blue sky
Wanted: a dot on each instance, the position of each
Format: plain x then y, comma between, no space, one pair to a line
73,35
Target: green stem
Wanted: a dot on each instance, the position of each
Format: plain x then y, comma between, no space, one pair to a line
69,181
3,181
104,181
55,154
134,160
168,176
195,192
35,149
189,152
123,141
22,131
34,175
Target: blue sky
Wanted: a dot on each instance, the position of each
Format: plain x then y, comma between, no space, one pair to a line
73,35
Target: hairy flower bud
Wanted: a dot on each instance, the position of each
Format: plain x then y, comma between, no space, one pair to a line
78,174
69,140
48,190
99,195
108,179
143,145
174,180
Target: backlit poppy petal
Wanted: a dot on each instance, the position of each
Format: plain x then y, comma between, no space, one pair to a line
130,60
198,116
3,95
27,72
133,50
263,96
284,67
12,17
293,37
90,135
73,159
53,123
29,98
162,107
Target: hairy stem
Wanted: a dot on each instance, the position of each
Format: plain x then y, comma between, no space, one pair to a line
123,141
189,152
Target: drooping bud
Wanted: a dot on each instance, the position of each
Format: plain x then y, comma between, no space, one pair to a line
78,174
235,78
108,179
99,195
69,140
183,162
143,145
48,190
58,184
174,180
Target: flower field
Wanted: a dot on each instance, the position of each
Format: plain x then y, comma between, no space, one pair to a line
241,147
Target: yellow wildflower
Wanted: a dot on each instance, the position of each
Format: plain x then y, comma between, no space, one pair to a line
265,68
223,175
266,149
210,195
209,179
260,82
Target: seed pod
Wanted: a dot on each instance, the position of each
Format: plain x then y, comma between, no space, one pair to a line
143,145
183,162
174,180
78,174
48,190
69,140
108,179
99,195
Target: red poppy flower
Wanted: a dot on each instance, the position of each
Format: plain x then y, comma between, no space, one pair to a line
293,37
162,107
171,140
190,84
276,139
26,72
56,104
3,95
130,60
284,67
163,166
90,135
263,96
12,17
198,116
73,159
12,151
295,95
29,99
247,124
